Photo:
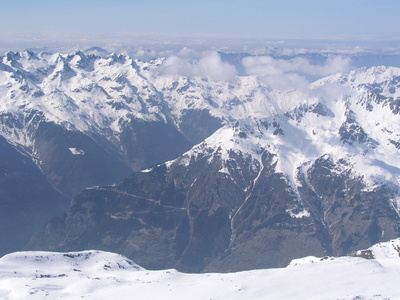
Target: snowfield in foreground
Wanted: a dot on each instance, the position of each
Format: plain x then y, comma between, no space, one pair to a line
104,275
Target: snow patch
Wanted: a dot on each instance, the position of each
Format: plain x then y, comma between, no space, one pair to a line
302,214
76,151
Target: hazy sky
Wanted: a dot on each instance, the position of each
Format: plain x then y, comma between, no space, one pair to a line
52,21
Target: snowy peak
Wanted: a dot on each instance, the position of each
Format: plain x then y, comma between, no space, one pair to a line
82,61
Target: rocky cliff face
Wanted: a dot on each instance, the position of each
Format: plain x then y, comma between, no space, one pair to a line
196,218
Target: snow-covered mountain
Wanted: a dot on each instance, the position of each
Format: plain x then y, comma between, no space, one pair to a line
367,274
104,98
77,114
290,174
93,103
254,169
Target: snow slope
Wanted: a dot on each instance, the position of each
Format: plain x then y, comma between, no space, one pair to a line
104,275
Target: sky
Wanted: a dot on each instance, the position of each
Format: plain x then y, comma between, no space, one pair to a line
42,23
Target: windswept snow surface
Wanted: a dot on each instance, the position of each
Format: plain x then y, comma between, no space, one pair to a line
103,275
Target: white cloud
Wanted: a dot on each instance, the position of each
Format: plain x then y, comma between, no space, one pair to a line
262,65
209,65
292,73
281,74
187,52
330,91
144,53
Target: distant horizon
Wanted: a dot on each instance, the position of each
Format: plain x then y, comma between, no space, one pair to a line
164,45
237,25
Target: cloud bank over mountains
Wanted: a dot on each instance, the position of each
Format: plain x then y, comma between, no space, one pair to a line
292,73
277,73
209,65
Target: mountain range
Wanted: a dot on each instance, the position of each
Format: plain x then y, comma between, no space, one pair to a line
195,172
